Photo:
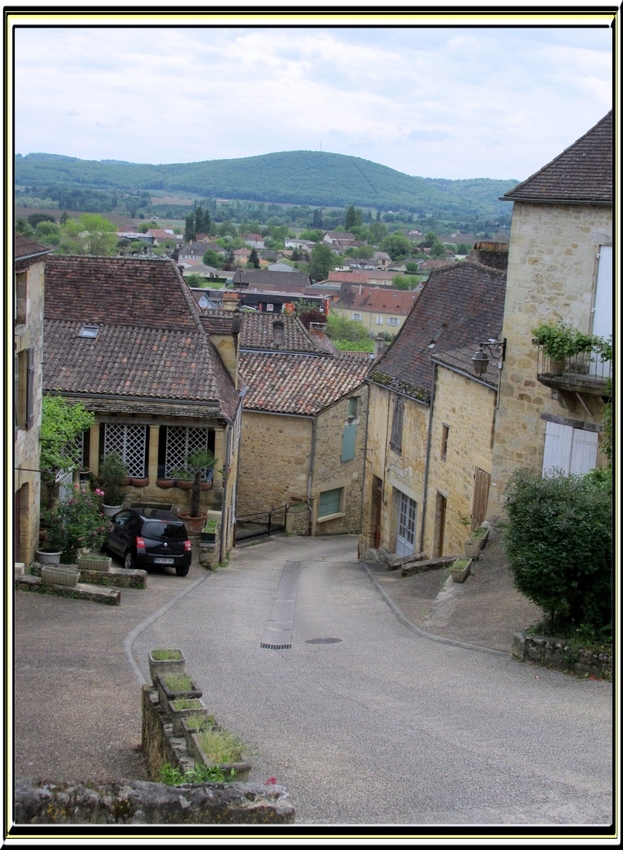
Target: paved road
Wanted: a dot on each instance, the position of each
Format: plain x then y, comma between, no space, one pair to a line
383,726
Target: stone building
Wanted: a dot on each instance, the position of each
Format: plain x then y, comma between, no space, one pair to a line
28,296
302,427
126,338
560,266
430,417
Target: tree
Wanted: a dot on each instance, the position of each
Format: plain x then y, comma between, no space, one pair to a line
438,250
339,328
321,261
189,230
199,227
405,283
48,233
350,219
396,245
253,258
89,234
211,258
317,218
378,231
23,228
35,218
559,545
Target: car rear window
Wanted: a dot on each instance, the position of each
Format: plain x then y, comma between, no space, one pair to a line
171,530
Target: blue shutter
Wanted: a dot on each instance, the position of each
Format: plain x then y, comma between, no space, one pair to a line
348,442
329,502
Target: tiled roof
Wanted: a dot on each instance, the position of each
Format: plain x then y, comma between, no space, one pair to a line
461,305
461,359
150,342
257,333
303,386
265,281
582,174
348,277
27,248
119,291
377,300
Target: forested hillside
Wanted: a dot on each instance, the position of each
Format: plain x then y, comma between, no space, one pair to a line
293,177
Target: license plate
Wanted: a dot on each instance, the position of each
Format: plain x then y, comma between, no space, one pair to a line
164,561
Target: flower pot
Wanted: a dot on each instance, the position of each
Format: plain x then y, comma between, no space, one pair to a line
166,696
164,666
64,576
126,481
97,563
471,548
557,367
165,483
481,534
111,510
207,722
460,569
84,475
207,485
177,715
139,482
48,557
241,768
183,484
194,524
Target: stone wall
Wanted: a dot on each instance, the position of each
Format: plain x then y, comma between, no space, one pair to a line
557,653
330,472
274,461
468,409
551,273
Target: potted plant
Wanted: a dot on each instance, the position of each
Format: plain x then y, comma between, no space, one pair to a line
209,531
172,686
184,708
59,574
216,746
182,478
561,340
112,475
481,534
95,561
195,724
200,465
471,548
51,546
78,524
163,661
460,569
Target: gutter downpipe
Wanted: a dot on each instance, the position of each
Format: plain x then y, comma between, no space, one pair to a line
228,454
428,445
365,466
310,474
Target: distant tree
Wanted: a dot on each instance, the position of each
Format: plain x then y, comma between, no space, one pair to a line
405,283
321,261
378,231
211,258
438,250
48,233
350,218
311,235
199,227
295,256
463,248
64,217
35,218
339,328
317,218
89,234
190,231
364,252
378,215
396,245
411,267
23,228
253,258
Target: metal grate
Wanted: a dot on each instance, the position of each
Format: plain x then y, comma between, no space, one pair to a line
182,442
129,442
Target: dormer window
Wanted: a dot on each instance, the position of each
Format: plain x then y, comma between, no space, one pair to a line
89,331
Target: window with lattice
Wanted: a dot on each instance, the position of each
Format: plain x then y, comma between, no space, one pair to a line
181,442
130,443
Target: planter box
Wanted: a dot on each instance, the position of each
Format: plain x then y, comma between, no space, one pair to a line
188,731
98,563
471,548
183,484
48,557
481,535
64,576
461,569
241,768
177,715
166,696
170,665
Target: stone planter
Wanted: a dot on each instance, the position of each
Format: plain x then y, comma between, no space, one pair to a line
165,483
166,696
48,557
557,367
195,706
207,722
471,548
481,535
99,563
194,524
65,576
460,569
111,510
241,768
163,666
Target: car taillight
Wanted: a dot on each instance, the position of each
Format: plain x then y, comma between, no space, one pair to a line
188,546
140,544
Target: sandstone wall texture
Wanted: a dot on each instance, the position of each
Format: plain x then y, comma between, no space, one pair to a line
552,270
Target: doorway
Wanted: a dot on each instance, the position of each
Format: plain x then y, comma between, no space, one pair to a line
482,481
405,536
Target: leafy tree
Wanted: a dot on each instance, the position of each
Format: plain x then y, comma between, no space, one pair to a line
23,228
64,217
317,218
211,258
411,267
396,245
228,228
35,218
311,235
351,219
89,234
438,250
404,283
340,328
364,252
48,233
559,545
378,231
253,258
61,424
463,248
321,261
190,231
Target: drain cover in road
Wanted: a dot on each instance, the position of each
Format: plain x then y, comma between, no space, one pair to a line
278,633
324,640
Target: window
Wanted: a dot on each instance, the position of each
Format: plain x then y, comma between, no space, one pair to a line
405,535
130,443
21,298
89,331
24,389
445,430
392,321
352,408
395,442
330,502
357,317
379,320
180,442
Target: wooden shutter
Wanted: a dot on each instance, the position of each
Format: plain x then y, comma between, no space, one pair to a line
396,439
30,390
482,481
583,452
348,442
557,450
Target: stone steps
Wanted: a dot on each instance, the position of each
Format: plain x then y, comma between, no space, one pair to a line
89,592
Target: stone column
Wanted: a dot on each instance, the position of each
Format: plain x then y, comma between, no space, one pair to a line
94,448
220,455
152,462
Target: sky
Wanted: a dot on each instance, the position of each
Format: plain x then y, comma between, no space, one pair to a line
455,102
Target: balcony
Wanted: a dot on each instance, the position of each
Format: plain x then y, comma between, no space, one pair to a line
582,373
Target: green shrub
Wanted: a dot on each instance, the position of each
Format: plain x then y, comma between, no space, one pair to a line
559,546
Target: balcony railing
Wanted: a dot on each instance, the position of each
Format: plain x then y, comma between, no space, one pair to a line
584,372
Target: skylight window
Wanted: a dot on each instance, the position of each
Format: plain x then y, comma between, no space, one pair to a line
89,331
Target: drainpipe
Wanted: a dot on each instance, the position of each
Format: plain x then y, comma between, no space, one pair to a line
428,444
312,453
365,468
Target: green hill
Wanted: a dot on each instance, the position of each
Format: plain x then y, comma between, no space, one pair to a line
293,177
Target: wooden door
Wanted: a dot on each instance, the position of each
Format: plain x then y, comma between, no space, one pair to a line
377,485
482,481
440,525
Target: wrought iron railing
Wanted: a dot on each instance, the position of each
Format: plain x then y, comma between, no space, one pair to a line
261,524
587,369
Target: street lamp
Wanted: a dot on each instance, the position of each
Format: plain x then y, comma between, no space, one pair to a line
496,348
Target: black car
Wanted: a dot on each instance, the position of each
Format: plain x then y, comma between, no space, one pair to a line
145,537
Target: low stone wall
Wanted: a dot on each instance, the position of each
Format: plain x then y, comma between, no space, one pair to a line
88,592
412,569
137,802
554,652
158,743
115,577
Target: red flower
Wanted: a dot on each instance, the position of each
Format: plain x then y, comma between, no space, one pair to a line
271,781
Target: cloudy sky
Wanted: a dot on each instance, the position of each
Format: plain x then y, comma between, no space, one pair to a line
435,102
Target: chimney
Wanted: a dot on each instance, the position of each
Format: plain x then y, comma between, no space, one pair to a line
231,301
278,328
317,329
227,344
380,346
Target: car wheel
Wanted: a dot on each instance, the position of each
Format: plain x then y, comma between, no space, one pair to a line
182,571
128,562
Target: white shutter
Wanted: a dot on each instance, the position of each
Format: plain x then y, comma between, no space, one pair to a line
602,317
557,451
583,452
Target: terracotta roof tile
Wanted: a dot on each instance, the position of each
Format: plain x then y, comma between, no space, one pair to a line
581,174
258,333
296,385
25,247
377,300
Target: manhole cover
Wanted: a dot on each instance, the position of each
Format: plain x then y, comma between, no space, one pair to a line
324,640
